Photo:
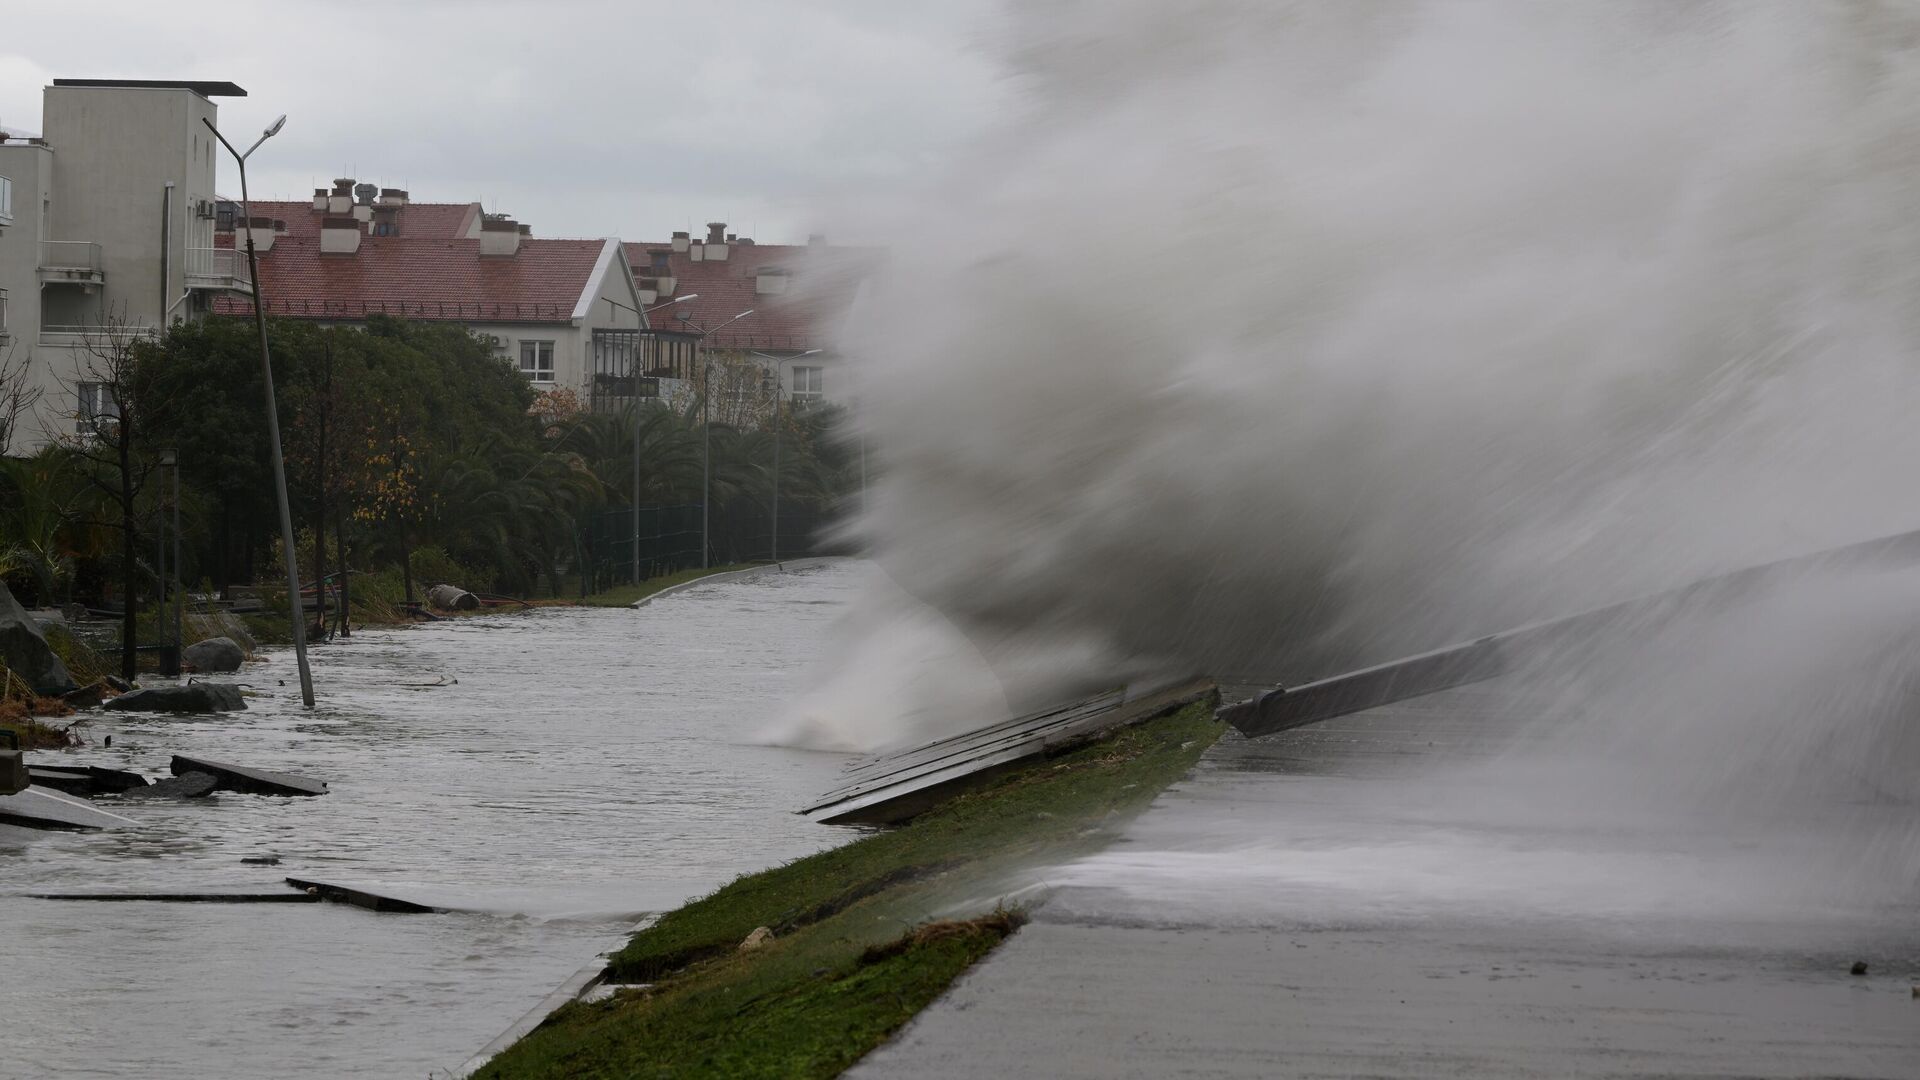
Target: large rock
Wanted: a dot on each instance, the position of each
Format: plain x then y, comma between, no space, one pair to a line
223,624
192,698
24,649
214,654
452,598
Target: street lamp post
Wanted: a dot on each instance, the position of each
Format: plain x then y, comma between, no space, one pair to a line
706,440
778,400
295,612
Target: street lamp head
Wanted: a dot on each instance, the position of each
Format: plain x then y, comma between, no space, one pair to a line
683,299
274,128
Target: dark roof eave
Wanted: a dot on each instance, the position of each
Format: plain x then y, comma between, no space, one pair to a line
203,87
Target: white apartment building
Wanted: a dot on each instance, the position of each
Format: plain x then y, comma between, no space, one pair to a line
106,215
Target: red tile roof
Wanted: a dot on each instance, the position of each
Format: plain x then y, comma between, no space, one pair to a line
429,271
820,292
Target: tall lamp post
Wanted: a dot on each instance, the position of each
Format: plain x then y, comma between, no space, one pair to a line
778,400
706,439
294,612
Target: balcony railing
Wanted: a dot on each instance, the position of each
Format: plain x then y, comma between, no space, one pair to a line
97,337
71,262
217,268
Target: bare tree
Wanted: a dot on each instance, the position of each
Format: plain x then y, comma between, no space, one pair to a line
18,395
106,390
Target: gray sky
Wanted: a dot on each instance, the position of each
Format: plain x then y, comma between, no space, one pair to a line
580,117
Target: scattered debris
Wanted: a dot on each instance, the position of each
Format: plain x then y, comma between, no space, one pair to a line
261,860
189,785
194,697
760,936
1859,967
248,781
343,894
213,654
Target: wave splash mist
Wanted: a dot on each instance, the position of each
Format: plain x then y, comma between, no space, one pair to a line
1273,338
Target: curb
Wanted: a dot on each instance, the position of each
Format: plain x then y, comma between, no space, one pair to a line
735,575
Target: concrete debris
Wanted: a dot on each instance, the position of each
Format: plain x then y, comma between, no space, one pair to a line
346,894
85,780
39,808
25,652
213,654
188,785
248,781
195,697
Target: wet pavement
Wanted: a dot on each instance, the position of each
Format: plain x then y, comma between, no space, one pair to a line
1379,896
587,767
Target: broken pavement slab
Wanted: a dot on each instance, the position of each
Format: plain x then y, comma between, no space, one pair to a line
248,781
187,897
194,697
85,780
40,808
358,897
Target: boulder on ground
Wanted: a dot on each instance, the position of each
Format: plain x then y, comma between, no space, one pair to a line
452,598
24,649
223,624
195,697
213,654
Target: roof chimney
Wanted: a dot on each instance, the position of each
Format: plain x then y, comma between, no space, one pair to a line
770,281
393,196
320,199
697,251
649,289
364,193
716,232
680,242
499,236
340,201
260,229
338,236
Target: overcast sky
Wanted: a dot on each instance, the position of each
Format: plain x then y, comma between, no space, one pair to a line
580,117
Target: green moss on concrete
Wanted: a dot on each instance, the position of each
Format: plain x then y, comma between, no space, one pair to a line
838,977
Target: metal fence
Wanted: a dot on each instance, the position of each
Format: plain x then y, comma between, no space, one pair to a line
669,540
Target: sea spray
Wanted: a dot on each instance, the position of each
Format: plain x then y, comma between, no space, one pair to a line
1268,338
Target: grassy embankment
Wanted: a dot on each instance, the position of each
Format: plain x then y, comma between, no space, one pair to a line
839,976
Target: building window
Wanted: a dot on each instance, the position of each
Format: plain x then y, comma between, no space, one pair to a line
223,216
808,386
97,405
536,360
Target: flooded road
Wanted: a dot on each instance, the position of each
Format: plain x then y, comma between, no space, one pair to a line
588,766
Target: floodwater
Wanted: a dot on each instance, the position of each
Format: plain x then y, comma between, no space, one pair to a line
588,767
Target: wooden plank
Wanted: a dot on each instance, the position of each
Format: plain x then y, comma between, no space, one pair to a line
247,780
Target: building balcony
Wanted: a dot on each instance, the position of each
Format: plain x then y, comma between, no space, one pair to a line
222,269
71,262
100,338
